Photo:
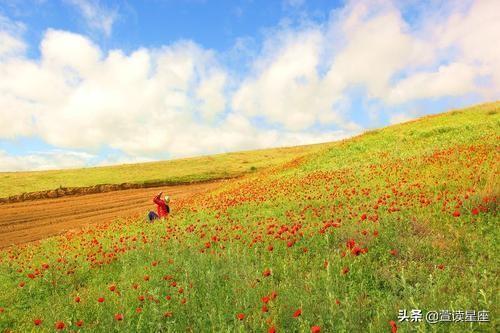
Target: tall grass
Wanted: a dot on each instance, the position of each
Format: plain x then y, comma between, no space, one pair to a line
339,240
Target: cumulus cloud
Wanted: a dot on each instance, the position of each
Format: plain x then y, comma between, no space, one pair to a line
170,100
11,44
96,15
451,80
284,87
43,160
378,46
472,33
306,76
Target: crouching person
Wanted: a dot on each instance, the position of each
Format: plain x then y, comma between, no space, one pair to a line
162,207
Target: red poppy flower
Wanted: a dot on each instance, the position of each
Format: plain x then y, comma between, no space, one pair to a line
240,316
363,217
146,277
60,325
337,302
31,275
271,330
315,329
79,323
273,295
100,299
141,298
168,297
456,213
112,287
267,272
351,243
265,308
475,211
356,251
22,284
168,314
270,248
394,328
297,313
440,266
37,322
345,270
265,299
2,310
394,252
119,316
183,301
77,299
138,310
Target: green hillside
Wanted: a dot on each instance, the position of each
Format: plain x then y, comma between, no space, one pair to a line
399,219
173,171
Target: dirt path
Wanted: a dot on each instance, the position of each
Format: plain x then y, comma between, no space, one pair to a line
33,220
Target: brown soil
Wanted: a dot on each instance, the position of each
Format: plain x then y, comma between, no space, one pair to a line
27,221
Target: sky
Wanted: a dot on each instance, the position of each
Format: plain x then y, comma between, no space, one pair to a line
88,83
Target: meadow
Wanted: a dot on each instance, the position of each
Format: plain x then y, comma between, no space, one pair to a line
340,240
178,171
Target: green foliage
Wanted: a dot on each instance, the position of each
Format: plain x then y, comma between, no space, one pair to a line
401,218
185,170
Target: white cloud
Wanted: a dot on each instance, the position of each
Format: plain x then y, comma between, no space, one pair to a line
379,45
302,79
305,76
97,16
285,83
294,3
10,26
211,94
398,118
452,80
474,32
11,44
149,102
43,160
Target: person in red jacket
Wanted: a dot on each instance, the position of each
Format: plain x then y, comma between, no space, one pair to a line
162,207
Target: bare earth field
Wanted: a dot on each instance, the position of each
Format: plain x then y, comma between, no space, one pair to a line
28,221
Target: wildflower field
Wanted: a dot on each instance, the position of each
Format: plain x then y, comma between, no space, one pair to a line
403,217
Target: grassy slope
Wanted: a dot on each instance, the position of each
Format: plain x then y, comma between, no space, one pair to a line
399,188
181,170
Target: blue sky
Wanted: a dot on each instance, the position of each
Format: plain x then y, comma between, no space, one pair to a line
89,82
153,23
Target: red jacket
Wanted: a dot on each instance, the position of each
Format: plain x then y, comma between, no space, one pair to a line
162,206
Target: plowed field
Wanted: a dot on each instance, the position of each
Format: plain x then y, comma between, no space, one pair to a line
34,220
